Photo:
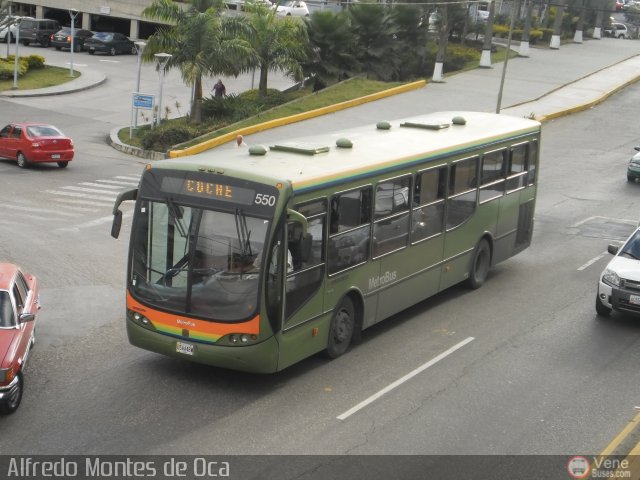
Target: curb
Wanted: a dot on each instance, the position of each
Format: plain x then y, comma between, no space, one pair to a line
86,80
114,141
214,142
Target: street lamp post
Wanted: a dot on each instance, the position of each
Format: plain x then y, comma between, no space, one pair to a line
73,13
15,62
9,24
161,59
139,49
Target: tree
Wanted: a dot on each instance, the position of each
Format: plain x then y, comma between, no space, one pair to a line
330,55
274,43
199,41
375,46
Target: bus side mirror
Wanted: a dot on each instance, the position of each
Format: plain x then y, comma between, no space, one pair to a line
117,213
117,223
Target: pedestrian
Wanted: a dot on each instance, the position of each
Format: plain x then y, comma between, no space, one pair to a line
219,90
240,141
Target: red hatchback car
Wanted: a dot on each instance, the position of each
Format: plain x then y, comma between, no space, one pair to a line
35,142
19,303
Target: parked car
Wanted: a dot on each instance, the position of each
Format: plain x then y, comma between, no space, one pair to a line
37,30
62,38
9,28
617,30
241,4
109,42
34,143
633,169
19,304
293,8
619,284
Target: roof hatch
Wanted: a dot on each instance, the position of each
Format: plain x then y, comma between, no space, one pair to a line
306,149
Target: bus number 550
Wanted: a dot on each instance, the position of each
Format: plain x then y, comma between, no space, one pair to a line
262,199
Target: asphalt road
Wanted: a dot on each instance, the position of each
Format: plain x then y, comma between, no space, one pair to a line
541,375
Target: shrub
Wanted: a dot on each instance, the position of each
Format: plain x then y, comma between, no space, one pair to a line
458,56
7,67
35,61
161,138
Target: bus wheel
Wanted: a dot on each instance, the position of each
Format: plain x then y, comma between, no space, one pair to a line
341,331
480,265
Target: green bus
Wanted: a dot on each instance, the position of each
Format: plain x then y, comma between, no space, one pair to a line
254,258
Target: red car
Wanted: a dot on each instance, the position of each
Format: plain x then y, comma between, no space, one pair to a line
19,303
35,142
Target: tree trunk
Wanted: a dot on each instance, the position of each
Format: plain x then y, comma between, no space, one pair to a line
485,59
196,104
262,85
557,26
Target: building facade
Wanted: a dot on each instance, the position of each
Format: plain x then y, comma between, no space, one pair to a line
122,16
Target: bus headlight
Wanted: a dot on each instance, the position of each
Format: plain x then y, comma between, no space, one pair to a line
610,277
239,339
140,319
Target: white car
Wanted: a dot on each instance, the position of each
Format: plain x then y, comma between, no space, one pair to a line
619,284
9,29
617,30
294,8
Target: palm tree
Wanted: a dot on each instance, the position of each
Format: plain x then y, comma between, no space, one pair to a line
375,46
199,41
330,38
274,44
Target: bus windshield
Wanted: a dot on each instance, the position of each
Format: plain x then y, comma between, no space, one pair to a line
197,261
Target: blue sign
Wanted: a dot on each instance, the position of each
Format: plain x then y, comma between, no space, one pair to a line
140,100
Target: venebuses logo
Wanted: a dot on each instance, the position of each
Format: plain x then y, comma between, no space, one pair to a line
578,467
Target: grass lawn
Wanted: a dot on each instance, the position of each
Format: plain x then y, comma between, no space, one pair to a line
305,100
40,78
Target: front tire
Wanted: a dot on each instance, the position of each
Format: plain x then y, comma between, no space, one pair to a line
601,309
480,265
12,402
112,51
22,160
341,329
91,52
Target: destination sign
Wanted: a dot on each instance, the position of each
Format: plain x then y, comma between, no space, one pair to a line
210,190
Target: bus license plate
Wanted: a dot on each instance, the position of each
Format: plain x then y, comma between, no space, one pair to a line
55,155
634,299
185,348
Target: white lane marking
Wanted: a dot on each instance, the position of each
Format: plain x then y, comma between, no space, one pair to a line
115,182
131,178
108,187
110,61
41,210
400,381
90,190
592,261
589,219
92,223
82,195
79,205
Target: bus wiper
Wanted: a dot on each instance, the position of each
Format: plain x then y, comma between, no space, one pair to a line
244,235
176,213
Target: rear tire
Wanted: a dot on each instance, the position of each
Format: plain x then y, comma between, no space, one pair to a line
22,160
601,309
63,164
91,52
11,403
480,265
341,329
112,51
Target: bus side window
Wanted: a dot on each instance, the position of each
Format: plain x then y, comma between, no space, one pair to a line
492,180
462,191
349,232
428,199
532,163
516,170
391,226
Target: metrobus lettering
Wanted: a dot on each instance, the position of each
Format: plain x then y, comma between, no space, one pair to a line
375,282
